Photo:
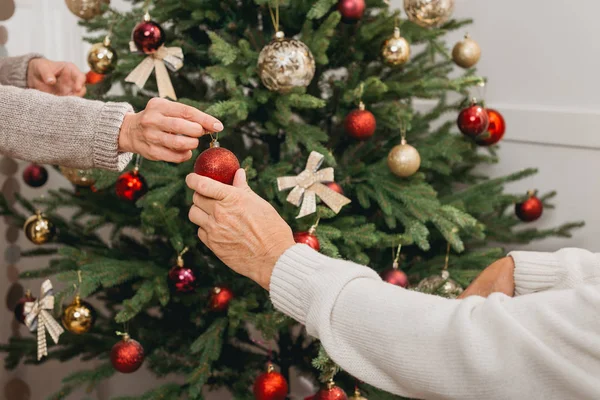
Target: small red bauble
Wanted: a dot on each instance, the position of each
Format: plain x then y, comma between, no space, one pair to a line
127,355
270,386
360,123
335,187
495,130
148,36
92,78
331,392
529,210
473,121
20,307
35,175
351,10
217,163
395,276
221,296
308,238
182,278
131,186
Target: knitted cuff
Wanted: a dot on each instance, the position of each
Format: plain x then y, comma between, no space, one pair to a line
106,138
13,70
534,272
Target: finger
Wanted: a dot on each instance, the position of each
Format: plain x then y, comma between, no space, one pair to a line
204,203
203,235
198,216
81,92
168,155
178,143
180,126
79,79
239,180
47,75
208,187
178,110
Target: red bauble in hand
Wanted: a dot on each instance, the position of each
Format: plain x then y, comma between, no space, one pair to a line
529,210
308,238
270,386
351,10
331,392
127,355
217,163
395,276
35,175
182,278
20,307
335,187
473,121
495,130
131,186
148,36
360,123
220,298
92,78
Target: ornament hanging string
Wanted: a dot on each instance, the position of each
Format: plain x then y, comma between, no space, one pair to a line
313,228
138,162
396,262
264,346
447,257
180,257
275,15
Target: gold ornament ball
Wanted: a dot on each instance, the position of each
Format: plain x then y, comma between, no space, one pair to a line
357,395
404,160
466,53
285,64
396,50
102,58
86,9
78,317
441,285
38,229
429,13
78,177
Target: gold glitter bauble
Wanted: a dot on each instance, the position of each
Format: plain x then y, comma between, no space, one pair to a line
440,285
404,160
102,58
86,9
78,177
429,13
38,229
78,317
396,50
466,53
285,64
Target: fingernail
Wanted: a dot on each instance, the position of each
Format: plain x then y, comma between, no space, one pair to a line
217,126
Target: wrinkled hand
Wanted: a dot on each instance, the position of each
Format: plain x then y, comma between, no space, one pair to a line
58,78
165,131
241,228
498,277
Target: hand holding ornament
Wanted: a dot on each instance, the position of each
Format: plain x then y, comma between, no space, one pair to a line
497,278
58,78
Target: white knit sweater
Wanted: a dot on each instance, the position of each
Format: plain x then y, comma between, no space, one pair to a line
542,344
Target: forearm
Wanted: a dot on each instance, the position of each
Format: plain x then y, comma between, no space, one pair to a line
13,70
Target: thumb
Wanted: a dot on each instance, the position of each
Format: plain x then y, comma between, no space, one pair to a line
239,180
48,77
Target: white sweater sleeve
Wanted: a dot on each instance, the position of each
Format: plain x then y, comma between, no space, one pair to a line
542,346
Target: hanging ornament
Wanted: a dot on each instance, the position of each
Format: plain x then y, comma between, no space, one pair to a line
441,285
335,187
351,10
531,209
38,229
127,355
309,238
395,275
102,58
360,123
403,160
35,175
495,130
270,386
148,36
220,298
331,392
473,120
131,186
20,307
182,278
38,317
396,50
86,9
92,78
79,316
308,184
217,163
429,13
466,53
78,177
357,395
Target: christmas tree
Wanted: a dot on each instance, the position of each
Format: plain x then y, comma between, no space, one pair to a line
342,83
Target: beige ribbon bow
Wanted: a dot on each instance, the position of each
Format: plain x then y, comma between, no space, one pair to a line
163,58
307,186
38,317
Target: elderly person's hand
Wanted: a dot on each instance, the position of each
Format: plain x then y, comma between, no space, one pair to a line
497,278
58,78
165,130
241,228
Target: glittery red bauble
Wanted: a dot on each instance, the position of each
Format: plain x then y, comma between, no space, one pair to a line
131,186
529,210
182,278
148,36
396,277
473,121
335,187
351,10
270,386
91,78
20,308
495,130
217,163
331,393
360,124
35,175
127,355
308,239
221,296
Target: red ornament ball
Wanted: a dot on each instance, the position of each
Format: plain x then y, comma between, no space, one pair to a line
127,355
395,276
270,386
360,123
131,186
92,78
182,278
35,175
217,163
495,130
221,296
307,238
331,392
20,307
335,187
530,210
351,10
473,121
148,36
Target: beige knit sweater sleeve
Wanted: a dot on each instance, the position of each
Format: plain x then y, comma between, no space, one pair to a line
48,129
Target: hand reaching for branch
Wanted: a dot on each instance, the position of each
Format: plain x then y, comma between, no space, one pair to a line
498,277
